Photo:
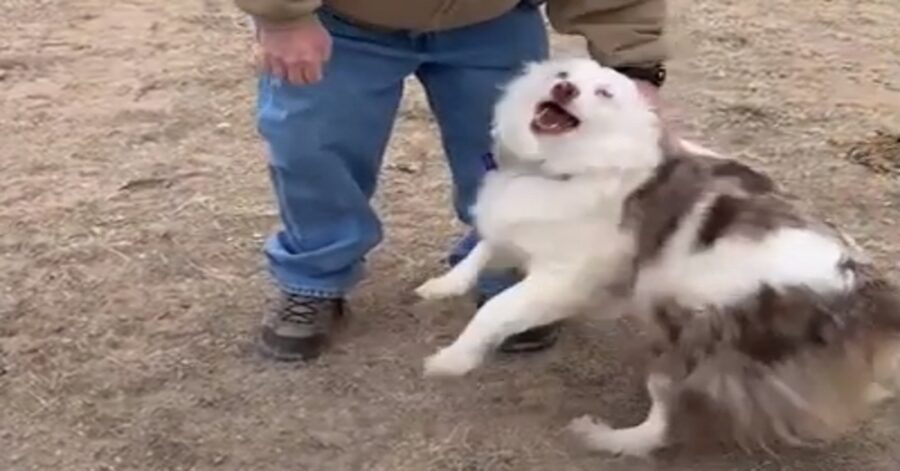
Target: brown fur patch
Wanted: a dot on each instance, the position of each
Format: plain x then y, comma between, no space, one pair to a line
655,209
721,216
747,202
751,215
749,180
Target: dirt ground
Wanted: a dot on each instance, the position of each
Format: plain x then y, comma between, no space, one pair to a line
134,199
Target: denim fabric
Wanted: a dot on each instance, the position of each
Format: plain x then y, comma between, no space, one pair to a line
326,140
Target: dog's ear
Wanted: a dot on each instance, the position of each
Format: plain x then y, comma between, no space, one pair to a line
511,130
529,67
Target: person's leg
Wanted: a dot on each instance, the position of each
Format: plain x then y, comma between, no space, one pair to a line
326,142
464,71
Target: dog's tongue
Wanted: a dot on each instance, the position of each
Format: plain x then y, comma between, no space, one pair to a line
551,117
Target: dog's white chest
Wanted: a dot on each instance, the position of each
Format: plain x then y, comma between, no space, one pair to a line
536,217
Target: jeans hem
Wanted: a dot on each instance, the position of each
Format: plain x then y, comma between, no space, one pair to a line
311,292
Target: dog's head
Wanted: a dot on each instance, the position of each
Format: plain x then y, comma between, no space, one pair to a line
571,107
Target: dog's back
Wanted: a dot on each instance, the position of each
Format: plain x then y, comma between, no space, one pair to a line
762,316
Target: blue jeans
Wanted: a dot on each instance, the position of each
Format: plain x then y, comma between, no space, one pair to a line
326,140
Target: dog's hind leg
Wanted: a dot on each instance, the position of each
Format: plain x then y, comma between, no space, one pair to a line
462,277
877,393
639,440
534,301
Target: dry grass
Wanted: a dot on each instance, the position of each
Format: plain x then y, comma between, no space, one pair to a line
879,152
134,199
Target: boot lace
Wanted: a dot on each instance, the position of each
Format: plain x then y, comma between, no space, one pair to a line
300,310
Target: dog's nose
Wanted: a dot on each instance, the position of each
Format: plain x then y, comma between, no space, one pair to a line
564,92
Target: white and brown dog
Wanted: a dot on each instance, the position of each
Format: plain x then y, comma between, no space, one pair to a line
761,317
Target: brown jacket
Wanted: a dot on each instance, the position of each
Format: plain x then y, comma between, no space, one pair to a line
619,32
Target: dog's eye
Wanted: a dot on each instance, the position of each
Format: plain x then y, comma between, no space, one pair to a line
604,92
562,75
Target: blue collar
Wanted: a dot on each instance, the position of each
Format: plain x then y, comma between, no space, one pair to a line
489,162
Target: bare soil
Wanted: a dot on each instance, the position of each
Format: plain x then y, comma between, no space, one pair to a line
134,199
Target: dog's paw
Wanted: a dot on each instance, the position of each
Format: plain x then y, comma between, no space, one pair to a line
876,394
450,362
585,428
441,287
597,436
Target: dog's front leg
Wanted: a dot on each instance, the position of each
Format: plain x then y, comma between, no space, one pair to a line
539,299
462,277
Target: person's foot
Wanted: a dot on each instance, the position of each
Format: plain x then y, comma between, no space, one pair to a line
531,340
299,327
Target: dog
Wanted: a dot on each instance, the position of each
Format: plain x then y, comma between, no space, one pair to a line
761,318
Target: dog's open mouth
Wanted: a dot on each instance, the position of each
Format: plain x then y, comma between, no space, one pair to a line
552,118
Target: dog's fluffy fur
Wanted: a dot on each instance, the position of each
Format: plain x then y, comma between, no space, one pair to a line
761,318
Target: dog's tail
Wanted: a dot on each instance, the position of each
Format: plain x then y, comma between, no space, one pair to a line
857,362
840,357
882,301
